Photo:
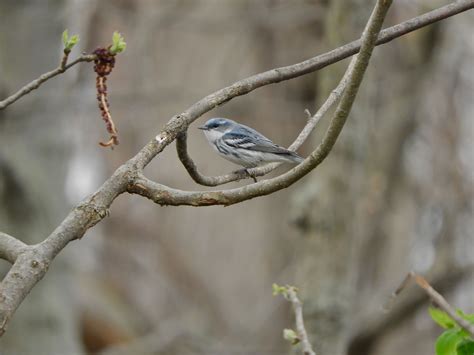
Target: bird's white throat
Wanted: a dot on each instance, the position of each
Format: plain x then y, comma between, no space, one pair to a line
213,135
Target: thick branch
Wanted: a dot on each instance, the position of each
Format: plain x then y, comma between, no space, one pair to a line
43,78
285,73
10,247
32,263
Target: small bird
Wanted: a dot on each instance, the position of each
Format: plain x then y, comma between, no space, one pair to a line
243,145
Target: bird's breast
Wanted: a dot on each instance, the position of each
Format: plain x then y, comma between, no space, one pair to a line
212,136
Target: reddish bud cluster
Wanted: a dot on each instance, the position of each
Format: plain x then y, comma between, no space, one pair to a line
104,63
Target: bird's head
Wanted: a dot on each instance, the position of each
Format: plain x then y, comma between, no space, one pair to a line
218,124
216,127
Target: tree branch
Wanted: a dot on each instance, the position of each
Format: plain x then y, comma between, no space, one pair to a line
191,168
298,309
10,247
436,297
310,65
43,78
181,143
164,195
374,325
32,263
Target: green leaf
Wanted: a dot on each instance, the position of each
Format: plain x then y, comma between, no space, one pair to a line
65,37
447,342
466,347
279,290
118,44
442,318
72,41
275,289
69,42
291,336
468,317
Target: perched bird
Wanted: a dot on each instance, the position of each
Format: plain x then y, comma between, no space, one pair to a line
243,145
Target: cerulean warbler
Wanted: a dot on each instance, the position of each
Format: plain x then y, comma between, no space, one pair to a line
243,145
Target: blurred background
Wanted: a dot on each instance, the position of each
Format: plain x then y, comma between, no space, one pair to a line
396,193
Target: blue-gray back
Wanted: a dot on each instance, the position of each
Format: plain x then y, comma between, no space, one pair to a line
247,138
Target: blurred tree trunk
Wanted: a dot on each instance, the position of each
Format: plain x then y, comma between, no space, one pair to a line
31,199
324,207
357,215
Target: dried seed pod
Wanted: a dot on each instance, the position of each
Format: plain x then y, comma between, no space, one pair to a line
104,63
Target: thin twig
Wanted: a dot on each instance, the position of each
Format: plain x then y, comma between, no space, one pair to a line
298,309
43,78
64,59
332,98
436,297
373,325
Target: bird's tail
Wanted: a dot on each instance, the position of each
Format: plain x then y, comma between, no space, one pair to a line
293,157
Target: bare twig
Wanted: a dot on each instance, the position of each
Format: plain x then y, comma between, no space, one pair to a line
298,309
45,77
373,325
32,263
332,98
291,71
191,168
64,59
436,297
305,67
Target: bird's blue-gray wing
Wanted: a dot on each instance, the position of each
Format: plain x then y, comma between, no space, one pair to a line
250,139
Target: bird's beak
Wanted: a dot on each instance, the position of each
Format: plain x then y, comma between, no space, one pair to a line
204,128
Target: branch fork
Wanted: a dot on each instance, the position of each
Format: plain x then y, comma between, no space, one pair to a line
30,263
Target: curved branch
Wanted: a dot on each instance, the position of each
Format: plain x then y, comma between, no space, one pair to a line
10,247
164,195
191,168
242,87
180,122
43,78
32,264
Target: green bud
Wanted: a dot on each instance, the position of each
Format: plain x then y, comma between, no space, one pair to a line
65,37
69,42
291,336
118,44
279,290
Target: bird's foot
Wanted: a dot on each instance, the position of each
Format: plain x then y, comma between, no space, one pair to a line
247,173
254,178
